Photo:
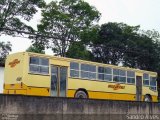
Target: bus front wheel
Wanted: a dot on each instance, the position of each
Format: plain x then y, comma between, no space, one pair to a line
147,98
81,94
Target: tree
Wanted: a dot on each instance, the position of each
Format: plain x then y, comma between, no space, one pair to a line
35,49
111,43
120,43
14,12
63,22
142,55
142,51
5,48
78,50
82,49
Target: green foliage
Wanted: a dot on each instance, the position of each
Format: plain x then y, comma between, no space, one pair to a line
14,12
78,51
35,49
116,43
5,48
64,21
110,45
90,35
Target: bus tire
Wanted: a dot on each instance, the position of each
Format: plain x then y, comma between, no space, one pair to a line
81,94
147,98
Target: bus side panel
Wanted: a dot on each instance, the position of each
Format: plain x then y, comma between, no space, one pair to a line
38,91
34,79
101,90
147,90
19,92
105,95
37,84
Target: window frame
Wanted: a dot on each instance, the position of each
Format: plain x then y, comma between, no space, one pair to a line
96,73
104,73
150,86
39,65
77,70
118,75
144,79
87,71
130,77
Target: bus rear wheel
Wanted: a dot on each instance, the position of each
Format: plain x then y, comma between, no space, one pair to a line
81,94
147,98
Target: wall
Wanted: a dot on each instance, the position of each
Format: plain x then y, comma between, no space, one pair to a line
14,107
1,79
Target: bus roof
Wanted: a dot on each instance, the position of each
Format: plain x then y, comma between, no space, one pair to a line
85,61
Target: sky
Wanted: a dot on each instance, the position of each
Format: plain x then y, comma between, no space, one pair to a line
132,12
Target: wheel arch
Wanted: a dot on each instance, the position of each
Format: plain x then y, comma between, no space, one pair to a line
149,95
82,89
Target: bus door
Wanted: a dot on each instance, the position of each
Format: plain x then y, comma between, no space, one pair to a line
138,88
58,81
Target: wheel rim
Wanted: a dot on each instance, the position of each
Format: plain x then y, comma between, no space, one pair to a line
80,95
147,99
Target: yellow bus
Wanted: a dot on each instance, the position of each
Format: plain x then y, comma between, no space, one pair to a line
43,75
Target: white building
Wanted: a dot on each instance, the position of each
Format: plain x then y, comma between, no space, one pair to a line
1,78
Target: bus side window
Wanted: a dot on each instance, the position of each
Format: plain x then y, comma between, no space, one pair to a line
39,65
119,75
130,77
88,71
74,69
146,79
153,83
105,73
